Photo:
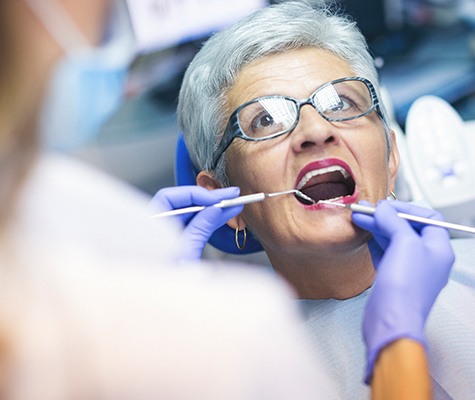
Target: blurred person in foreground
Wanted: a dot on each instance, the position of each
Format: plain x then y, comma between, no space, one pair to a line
94,304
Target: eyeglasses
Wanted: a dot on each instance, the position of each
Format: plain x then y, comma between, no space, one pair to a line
268,117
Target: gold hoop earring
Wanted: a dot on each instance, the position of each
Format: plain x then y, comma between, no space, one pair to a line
236,238
393,195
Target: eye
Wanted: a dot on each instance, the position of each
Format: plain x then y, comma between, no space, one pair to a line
343,105
262,124
263,120
346,105
267,116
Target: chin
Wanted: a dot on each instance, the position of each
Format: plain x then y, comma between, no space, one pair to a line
345,237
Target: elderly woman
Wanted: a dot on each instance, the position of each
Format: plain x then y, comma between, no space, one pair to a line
289,99
301,89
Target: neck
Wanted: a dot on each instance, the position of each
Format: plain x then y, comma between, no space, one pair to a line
339,276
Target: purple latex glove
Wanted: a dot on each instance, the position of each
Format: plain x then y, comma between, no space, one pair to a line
413,264
198,227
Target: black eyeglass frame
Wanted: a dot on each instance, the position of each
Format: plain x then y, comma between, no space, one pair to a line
233,129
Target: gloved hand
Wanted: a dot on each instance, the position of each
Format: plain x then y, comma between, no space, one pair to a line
413,264
198,227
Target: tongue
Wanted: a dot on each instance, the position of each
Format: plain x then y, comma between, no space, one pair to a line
325,191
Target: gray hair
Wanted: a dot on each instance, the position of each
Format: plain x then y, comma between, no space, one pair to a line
275,29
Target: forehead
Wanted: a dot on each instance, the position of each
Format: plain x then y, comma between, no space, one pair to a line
295,73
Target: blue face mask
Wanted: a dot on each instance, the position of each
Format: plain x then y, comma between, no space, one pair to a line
87,86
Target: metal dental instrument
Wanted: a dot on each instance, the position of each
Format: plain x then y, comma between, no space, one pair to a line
427,221
241,200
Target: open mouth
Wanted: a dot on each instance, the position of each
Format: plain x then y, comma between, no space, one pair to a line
328,183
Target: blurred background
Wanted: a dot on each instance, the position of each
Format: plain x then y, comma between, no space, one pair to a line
421,47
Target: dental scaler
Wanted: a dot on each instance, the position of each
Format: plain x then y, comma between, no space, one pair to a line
241,200
414,218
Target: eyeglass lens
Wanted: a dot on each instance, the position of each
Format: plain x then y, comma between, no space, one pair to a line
272,115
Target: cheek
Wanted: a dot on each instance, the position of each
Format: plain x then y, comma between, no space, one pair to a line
240,170
253,166
379,169
374,167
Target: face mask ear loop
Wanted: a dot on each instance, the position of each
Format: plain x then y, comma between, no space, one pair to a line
59,24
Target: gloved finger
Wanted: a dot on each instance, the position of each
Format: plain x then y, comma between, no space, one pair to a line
437,241
435,234
368,222
210,219
226,212
413,209
211,215
416,210
202,226
388,223
431,234
376,251
378,242
364,221
185,196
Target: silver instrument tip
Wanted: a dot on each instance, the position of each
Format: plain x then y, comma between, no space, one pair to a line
293,191
304,197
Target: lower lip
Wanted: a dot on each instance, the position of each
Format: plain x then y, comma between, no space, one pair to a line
343,200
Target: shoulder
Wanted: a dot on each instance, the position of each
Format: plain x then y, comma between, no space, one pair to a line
66,202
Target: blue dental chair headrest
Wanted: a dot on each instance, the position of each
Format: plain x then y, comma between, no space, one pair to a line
223,238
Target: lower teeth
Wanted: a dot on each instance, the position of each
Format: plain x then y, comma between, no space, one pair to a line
335,198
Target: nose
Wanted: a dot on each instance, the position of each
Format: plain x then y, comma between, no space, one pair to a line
312,130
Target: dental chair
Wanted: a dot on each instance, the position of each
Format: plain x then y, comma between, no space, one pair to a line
441,159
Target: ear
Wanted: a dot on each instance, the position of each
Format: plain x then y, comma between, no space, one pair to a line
393,163
207,180
236,222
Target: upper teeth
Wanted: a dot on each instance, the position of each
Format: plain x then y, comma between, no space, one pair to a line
309,175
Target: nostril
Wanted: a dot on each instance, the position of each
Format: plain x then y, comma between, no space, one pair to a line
307,144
